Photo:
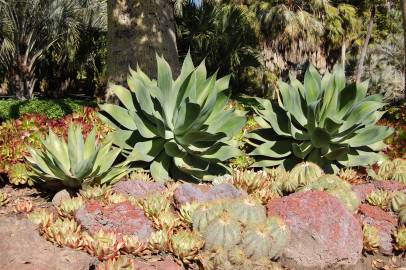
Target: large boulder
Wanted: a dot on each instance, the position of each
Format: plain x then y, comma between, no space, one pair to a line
383,221
324,234
121,218
187,193
22,248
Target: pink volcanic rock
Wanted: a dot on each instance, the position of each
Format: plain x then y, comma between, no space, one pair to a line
138,188
121,218
187,193
363,190
389,185
324,234
383,221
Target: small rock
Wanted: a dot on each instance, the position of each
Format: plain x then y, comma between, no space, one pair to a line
22,248
324,234
60,196
138,188
187,193
383,221
363,190
121,218
389,185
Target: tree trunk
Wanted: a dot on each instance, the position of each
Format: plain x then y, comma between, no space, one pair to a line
360,69
343,53
137,30
403,8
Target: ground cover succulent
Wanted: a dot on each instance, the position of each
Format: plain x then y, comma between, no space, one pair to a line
177,128
371,238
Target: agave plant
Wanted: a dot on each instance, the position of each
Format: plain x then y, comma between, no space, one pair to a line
178,127
76,162
323,121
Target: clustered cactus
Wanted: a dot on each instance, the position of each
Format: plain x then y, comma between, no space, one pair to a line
391,170
302,174
238,223
262,185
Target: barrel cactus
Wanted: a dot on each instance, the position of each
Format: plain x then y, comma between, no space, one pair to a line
178,128
266,239
223,232
398,199
248,211
322,121
301,175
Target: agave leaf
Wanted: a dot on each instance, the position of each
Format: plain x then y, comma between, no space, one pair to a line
312,84
225,152
146,151
320,138
120,115
124,95
267,163
188,113
90,145
223,83
369,136
146,128
302,150
361,111
168,100
362,90
292,102
273,149
105,158
59,151
339,77
361,158
338,153
75,148
174,150
160,168
113,175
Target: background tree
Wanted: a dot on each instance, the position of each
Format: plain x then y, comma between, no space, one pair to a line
137,30
403,8
28,30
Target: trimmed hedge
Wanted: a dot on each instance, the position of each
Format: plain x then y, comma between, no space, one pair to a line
52,109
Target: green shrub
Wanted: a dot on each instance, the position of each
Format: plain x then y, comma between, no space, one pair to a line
322,121
53,109
179,128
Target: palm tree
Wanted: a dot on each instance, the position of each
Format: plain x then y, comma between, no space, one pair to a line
29,28
226,36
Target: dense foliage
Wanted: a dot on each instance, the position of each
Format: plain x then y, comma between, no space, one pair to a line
50,108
